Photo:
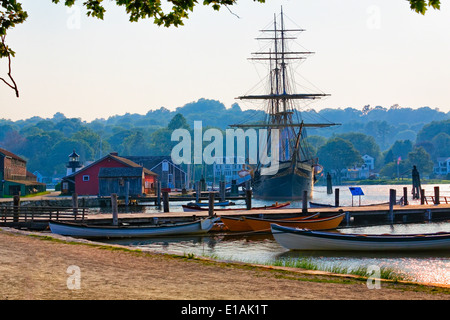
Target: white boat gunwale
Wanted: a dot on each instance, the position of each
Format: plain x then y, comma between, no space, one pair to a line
361,237
304,239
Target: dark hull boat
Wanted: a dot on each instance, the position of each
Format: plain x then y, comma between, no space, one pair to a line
287,184
297,166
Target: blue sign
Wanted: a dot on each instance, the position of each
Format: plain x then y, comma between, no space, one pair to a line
356,191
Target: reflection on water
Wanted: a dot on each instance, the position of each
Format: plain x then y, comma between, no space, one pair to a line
431,267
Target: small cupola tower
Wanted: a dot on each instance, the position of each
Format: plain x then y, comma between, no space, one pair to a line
74,163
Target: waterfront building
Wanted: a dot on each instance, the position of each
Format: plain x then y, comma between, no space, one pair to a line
86,181
15,178
442,167
170,174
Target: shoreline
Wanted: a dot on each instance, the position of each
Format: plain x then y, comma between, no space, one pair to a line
34,266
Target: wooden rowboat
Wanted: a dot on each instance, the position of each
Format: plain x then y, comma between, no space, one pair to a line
193,207
239,224
320,205
86,231
303,239
206,204
313,224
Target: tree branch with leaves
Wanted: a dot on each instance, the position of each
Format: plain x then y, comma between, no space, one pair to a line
11,14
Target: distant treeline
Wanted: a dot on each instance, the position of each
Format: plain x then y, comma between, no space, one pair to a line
380,132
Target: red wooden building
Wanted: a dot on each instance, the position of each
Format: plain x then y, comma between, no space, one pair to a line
86,180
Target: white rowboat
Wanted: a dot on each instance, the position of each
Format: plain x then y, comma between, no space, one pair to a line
85,231
303,239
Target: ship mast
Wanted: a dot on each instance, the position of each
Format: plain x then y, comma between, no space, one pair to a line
279,110
280,97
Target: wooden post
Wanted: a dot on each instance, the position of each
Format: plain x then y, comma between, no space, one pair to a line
211,204
165,196
392,200
347,218
428,215
75,205
158,194
127,193
405,196
422,196
248,199
336,197
16,205
222,190
197,191
329,184
305,202
115,209
436,195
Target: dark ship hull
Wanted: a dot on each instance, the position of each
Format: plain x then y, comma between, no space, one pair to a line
286,184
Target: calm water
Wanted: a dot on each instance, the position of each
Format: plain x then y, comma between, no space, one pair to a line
431,267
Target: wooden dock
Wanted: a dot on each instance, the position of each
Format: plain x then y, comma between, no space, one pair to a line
37,217
364,215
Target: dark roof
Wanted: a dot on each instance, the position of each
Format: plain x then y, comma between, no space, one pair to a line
150,162
10,154
132,164
120,172
74,155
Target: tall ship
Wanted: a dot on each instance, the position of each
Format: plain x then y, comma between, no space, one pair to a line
297,168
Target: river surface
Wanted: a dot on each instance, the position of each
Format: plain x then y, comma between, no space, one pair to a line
426,267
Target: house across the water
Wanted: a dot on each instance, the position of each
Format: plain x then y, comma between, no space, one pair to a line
170,174
15,178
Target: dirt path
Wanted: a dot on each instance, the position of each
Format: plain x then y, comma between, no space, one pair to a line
37,268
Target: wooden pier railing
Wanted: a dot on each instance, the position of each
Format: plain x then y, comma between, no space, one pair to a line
10,215
432,199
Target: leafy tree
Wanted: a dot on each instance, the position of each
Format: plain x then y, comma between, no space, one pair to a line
178,122
365,144
135,144
338,154
400,148
441,144
420,158
432,129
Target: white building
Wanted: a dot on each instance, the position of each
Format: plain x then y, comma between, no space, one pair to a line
369,162
442,167
228,167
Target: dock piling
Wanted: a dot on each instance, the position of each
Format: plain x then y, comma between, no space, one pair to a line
305,202
165,196
248,199
428,215
336,197
211,204
436,195
392,200
222,190
197,191
115,209
158,194
75,204
16,206
405,196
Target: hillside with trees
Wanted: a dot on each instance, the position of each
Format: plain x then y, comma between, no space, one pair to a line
387,134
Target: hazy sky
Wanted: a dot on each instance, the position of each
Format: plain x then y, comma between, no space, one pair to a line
374,52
